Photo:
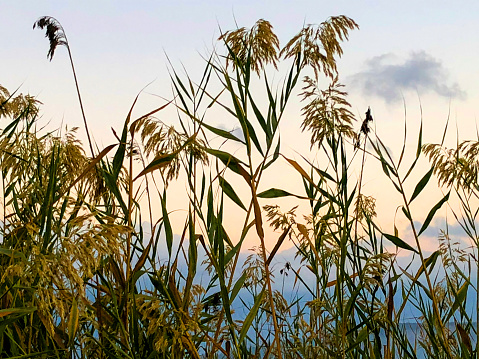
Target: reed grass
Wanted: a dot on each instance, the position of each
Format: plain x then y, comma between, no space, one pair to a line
82,276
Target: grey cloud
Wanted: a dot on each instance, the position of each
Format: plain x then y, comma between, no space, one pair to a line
236,131
387,78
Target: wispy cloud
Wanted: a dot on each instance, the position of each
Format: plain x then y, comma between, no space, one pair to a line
388,77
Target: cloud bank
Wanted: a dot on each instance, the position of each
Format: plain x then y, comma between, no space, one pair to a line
386,78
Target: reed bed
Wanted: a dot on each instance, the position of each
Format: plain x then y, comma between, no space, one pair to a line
92,266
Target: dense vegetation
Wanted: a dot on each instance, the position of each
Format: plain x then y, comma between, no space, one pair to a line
87,273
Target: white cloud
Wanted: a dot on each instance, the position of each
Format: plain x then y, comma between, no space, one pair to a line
388,78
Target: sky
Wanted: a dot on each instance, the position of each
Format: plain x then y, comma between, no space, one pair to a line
406,56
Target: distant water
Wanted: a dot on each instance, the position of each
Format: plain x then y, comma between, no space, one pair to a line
413,332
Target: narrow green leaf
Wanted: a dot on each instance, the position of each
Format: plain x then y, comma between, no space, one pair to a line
159,162
73,322
459,298
238,285
362,336
419,142
272,106
251,315
399,242
417,282
406,213
120,152
23,311
192,261
203,187
352,300
165,159
258,221
252,135
260,118
192,255
222,133
429,262
182,86
418,151
275,155
239,112
275,193
422,183
209,203
143,257
230,192
433,211
11,126
112,185
167,224
231,162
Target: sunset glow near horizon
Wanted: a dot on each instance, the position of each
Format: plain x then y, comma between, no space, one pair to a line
405,56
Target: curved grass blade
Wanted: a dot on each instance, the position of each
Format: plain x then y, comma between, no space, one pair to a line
257,214
231,162
275,155
276,192
278,244
230,192
164,159
460,296
433,211
429,262
158,163
421,184
21,311
167,224
399,242
237,287
73,322
251,315
222,133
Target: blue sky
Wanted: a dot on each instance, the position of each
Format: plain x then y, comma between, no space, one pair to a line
403,49
120,46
